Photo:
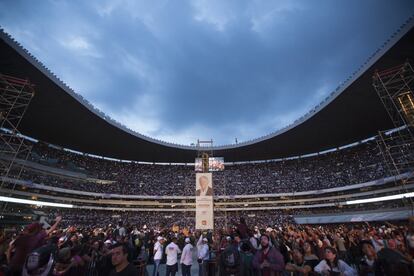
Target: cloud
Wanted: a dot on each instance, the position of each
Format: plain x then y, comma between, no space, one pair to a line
78,42
265,15
80,46
216,13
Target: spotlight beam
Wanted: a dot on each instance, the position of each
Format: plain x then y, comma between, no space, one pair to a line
34,202
382,198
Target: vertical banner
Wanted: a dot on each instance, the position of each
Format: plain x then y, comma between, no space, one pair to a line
204,201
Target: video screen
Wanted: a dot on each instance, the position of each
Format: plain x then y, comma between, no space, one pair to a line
198,165
215,164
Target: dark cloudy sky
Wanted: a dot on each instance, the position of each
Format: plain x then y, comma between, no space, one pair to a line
183,70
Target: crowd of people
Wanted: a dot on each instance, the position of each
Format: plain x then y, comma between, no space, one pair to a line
160,219
348,166
92,242
242,248
149,219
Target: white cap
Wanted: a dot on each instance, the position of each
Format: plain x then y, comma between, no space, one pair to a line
108,241
159,238
205,239
187,240
228,238
269,229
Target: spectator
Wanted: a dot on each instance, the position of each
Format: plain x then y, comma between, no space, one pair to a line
410,237
308,254
393,261
246,260
230,259
158,253
120,261
32,237
187,258
268,260
331,263
369,264
172,252
242,229
298,265
202,255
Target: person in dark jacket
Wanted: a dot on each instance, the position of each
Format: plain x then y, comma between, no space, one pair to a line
268,260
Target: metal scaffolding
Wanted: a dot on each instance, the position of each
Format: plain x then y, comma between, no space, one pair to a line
395,90
15,97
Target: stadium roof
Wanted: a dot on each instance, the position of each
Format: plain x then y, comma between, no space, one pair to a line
59,116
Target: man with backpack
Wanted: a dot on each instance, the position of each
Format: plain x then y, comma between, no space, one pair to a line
246,259
230,260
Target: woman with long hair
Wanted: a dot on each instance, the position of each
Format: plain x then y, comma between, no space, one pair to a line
331,265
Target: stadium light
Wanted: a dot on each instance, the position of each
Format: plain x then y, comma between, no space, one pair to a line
34,202
382,198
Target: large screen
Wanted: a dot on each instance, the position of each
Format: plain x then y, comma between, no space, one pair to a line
214,164
198,165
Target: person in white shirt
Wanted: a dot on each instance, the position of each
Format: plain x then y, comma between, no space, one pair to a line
202,255
187,258
121,229
172,250
158,250
135,231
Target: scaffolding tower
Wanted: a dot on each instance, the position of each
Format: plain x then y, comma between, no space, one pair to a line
15,97
204,151
395,90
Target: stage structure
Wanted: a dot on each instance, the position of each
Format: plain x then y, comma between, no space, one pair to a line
15,97
395,89
204,187
204,151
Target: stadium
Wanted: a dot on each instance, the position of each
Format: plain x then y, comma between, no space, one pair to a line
60,156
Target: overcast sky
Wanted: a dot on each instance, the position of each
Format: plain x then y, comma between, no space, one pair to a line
186,70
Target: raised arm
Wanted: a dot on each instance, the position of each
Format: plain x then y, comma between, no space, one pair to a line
54,226
200,240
